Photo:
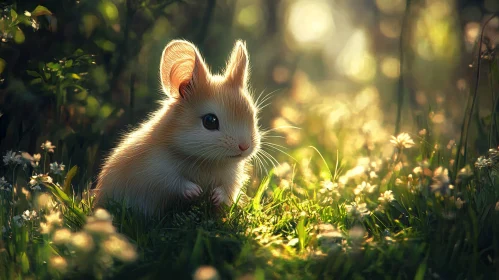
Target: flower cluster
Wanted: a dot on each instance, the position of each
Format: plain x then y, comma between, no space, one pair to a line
488,161
97,240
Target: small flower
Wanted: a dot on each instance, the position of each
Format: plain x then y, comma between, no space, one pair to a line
102,215
494,155
32,160
119,248
357,209
82,241
62,236
38,180
35,24
328,185
364,187
45,228
54,218
59,263
4,185
206,272
465,172
28,216
26,13
459,203
387,196
18,220
481,163
12,158
441,181
48,146
403,140
37,157
56,168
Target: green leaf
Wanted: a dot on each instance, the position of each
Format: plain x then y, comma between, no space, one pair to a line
3,64
106,45
13,14
40,10
64,199
36,81
302,234
259,193
33,74
67,182
24,262
420,273
54,66
92,106
19,36
109,10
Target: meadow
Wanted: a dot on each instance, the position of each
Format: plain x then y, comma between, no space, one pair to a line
339,191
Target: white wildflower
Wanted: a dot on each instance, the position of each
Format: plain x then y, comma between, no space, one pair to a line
441,181
403,140
56,168
26,13
28,216
364,187
12,158
387,196
48,146
357,209
481,162
38,180
4,185
35,24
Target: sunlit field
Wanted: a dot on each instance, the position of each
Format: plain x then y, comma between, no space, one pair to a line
379,156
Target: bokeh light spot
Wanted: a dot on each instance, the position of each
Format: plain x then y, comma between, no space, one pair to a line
355,61
249,16
390,67
391,6
309,21
471,31
390,27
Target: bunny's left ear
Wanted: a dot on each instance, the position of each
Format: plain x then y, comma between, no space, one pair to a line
237,71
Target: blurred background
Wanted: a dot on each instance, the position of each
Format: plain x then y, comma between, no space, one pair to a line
348,73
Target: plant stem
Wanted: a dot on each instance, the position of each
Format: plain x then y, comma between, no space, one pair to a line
400,86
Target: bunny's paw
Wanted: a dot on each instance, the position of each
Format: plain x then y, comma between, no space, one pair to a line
191,190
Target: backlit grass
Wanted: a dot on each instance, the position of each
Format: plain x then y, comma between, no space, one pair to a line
392,218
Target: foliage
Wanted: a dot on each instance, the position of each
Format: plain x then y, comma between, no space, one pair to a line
342,199
379,216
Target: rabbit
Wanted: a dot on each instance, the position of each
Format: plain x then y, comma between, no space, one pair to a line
200,140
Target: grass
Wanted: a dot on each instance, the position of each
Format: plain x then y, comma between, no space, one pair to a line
396,218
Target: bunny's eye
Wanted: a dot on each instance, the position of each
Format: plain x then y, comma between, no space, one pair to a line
210,122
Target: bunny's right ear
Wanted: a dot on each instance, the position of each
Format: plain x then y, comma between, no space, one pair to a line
182,67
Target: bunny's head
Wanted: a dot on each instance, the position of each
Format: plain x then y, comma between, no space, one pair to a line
212,116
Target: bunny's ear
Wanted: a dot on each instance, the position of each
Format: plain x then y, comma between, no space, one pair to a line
237,70
182,68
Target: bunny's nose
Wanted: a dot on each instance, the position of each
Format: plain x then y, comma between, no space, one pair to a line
243,147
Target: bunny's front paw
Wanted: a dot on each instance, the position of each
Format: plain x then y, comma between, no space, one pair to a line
218,196
191,190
